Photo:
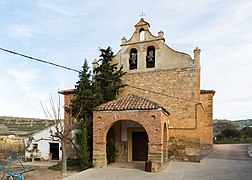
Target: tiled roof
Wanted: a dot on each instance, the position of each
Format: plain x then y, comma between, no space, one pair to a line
202,91
67,91
129,102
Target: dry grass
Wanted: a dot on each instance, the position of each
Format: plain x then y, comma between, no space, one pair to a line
11,145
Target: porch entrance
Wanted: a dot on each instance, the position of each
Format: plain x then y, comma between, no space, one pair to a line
139,146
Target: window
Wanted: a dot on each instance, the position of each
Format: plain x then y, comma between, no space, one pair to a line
150,58
133,59
142,34
34,147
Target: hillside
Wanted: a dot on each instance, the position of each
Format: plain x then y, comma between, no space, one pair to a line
244,123
22,126
26,126
220,124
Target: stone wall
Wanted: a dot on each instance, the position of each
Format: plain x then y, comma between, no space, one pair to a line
180,150
177,91
121,146
206,123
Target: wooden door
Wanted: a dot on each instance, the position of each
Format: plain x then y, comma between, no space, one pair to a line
140,146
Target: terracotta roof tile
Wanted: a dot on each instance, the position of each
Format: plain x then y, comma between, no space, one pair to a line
202,91
129,102
67,91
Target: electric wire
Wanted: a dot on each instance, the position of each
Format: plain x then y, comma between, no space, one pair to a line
71,69
39,60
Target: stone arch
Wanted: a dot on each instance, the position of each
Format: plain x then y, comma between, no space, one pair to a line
165,143
166,135
137,47
142,34
151,44
106,127
126,134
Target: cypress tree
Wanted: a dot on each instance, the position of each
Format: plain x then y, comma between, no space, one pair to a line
90,94
108,75
81,108
81,105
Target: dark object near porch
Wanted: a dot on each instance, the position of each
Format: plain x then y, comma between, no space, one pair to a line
148,165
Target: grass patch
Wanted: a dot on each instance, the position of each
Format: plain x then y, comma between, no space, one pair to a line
72,165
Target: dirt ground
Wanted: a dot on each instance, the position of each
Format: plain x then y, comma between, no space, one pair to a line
41,172
45,173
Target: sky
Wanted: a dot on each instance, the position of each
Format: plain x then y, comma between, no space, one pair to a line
66,32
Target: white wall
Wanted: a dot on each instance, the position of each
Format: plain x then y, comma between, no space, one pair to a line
125,126
43,140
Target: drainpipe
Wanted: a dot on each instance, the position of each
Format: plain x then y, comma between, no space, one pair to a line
196,119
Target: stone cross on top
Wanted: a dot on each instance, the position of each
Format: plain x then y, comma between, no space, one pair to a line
142,15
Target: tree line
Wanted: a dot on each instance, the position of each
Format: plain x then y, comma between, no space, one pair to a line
230,132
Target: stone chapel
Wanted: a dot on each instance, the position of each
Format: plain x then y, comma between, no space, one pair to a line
162,114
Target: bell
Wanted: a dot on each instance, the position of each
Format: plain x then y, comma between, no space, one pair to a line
133,61
150,59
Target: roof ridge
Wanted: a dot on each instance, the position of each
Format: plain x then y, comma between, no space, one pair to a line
130,102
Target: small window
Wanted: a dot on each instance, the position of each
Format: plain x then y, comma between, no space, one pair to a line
34,146
150,58
133,59
142,34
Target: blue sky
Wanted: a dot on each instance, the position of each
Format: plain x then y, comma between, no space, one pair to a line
66,32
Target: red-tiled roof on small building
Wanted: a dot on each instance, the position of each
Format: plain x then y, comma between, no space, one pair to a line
68,91
202,91
130,102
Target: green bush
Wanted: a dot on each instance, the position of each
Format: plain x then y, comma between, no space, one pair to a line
111,150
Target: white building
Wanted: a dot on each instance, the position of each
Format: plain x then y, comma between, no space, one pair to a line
44,146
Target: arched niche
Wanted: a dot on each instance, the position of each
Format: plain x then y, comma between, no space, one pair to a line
150,57
133,59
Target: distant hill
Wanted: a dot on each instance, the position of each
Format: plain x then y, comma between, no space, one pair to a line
22,126
26,126
244,123
220,124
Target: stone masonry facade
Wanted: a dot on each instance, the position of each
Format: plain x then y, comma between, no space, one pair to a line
167,78
174,83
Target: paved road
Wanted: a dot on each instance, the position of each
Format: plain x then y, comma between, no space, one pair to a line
234,152
225,162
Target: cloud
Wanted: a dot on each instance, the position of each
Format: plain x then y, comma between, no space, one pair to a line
21,97
68,8
4,2
25,81
229,110
22,33
2,83
67,32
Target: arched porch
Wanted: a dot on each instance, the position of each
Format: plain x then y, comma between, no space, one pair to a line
131,125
